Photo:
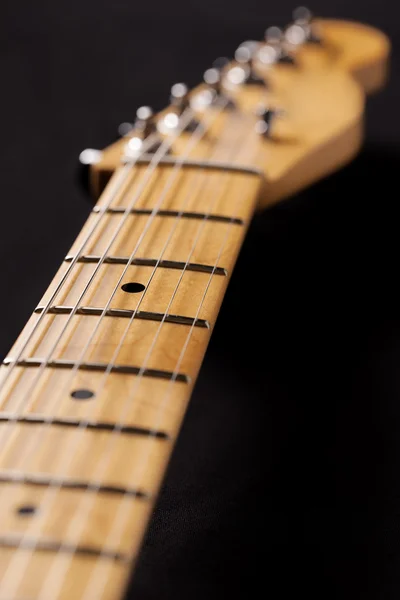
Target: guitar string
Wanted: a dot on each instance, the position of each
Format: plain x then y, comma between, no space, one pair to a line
200,130
55,575
192,327
97,572
124,218
116,183
99,391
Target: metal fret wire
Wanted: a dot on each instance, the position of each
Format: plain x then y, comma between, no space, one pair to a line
97,577
55,575
143,182
117,428
114,183
193,141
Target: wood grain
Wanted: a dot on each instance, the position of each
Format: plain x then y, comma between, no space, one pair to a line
100,457
79,477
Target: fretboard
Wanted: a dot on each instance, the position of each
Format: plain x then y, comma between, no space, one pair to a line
98,382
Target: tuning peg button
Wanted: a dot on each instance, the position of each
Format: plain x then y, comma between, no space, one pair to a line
142,127
245,56
179,97
144,123
180,102
302,29
273,35
125,129
302,14
214,80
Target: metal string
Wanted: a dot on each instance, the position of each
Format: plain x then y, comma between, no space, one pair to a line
200,132
115,185
96,578
55,574
162,150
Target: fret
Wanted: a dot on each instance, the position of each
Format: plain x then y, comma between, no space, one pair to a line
77,418
80,569
137,339
114,312
76,424
102,367
54,521
22,543
161,285
164,238
43,480
222,193
113,442
136,401
100,456
204,165
170,213
150,262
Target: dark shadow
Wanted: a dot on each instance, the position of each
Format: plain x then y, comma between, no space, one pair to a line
287,471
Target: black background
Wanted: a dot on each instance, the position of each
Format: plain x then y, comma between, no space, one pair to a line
287,471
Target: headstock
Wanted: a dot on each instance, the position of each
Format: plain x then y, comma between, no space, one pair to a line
296,101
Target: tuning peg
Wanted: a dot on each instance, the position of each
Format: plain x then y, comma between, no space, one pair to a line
179,97
214,79
273,51
125,129
180,102
143,126
244,71
136,133
302,29
221,62
273,35
266,117
302,14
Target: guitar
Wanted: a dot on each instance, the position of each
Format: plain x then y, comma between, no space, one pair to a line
95,388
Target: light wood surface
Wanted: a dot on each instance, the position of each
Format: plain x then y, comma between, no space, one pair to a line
90,469
323,126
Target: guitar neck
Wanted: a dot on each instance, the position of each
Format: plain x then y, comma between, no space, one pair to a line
93,393
103,372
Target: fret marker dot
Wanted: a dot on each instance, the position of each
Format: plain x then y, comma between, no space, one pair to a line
26,510
82,394
133,287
